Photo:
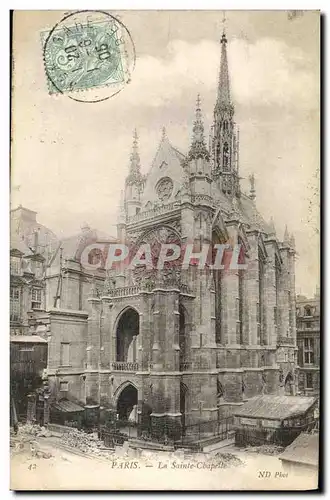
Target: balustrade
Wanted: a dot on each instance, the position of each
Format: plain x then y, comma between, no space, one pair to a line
125,366
152,212
124,292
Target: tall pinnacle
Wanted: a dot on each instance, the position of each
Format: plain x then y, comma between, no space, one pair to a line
134,168
198,147
135,157
223,87
292,241
272,230
252,187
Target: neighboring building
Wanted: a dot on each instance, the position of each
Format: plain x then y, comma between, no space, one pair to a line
30,248
274,419
36,236
46,275
187,345
69,285
27,287
302,456
308,341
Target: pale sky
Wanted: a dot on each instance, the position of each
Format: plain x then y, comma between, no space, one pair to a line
70,159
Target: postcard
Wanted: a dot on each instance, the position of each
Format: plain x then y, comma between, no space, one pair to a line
164,250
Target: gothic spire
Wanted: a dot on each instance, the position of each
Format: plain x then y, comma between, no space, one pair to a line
135,167
286,237
223,97
198,147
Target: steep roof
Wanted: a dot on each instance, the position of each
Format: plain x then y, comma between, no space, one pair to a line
303,450
16,243
73,246
246,207
23,224
275,407
250,213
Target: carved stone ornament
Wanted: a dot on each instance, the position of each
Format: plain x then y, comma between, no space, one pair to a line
155,239
164,188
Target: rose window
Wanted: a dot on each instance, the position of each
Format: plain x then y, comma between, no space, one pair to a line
164,188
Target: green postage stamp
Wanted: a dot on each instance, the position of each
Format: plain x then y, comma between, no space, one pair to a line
88,50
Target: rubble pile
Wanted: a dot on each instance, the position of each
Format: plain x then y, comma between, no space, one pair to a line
229,460
34,430
86,443
266,449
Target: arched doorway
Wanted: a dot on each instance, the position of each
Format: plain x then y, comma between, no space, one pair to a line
127,330
127,399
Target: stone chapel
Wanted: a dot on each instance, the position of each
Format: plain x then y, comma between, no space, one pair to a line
190,344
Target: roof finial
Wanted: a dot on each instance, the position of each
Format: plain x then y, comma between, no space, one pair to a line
135,167
292,241
252,187
286,237
135,159
272,230
163,133
198,147
198,107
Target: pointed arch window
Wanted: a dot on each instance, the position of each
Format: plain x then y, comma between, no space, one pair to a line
218,305
261,302
277,287
218,154
225,159
241,260
225,126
